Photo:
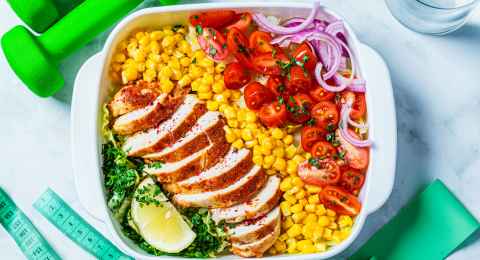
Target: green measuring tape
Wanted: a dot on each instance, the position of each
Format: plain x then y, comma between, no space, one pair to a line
25,234
52,207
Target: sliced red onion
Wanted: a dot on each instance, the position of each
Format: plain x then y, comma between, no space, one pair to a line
357,125
335,28
265,24
357,85
333,52
325,85
345,118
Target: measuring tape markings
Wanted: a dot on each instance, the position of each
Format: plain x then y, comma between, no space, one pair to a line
52,207
26,236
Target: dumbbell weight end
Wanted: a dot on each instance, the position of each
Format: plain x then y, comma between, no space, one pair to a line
37,14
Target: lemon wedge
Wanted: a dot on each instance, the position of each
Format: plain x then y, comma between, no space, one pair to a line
158,221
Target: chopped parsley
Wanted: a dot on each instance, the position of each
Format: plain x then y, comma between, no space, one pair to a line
198,29
148,194
194,60
156,165
339,156
311,122
212,51
177,27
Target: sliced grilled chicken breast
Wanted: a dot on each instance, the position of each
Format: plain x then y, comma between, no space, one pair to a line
266,199
251,231
133,97
257,248
240,191
156,139
207,130
231,168
191,165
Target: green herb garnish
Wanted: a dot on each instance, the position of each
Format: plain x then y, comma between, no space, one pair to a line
198,29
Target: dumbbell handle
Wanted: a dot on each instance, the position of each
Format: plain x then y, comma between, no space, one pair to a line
83,24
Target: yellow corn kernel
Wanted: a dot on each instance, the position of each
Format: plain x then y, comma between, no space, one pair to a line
184,81
156,35
165,72
346,232
296,181
290,198
203,88
220,98
327,234
277,133
208,79
250,117
323,221
168,41
287,223
290,151
233,123
307,230
286,184
185,61
345,221
296,208
247,135
298,217
218,87
268,161
304,202
220,67
279,164
278,143
204,95
310,218
230,113
293,190
298,158
251,143
149,75
119,57
166,85
280,246
129,74
291,245
310,208
195,85
313,199
206,63
195,71
285,208
320,247
300,194
257,159
284,236
291,168
177,74
213,106
304,246
333,225
154,47
288,139
317,233
294,230
238,144
331,213
279,152
312,189
265,150
320,210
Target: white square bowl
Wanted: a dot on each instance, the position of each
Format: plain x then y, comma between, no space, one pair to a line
91,88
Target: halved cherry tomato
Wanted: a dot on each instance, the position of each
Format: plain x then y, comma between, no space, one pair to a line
215,19
260,42
356,157
359,106
351,180
275,84
298,107
273,114
243,22
320,94
310,135
325,113
256,94
298,80
235,76
237,44
323,149
268,64
340,201
212,43
325,172
305,55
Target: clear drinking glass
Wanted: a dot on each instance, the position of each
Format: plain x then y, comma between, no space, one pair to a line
435,17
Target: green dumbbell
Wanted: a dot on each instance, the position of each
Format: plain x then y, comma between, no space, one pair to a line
39,15
35,59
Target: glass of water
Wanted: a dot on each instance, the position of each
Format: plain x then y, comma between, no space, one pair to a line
435,17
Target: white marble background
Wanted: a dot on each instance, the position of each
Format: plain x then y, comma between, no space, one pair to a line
437,94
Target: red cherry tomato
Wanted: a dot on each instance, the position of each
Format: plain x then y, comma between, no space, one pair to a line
310,135
260,42
340,201
325,113
352,180
319,94
275,84
268,64
215,19
243,22
237,44
305,55
273,114
212,43
235,76
255,95
323,149
325,172
298,80
299,108
359,106
356,157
